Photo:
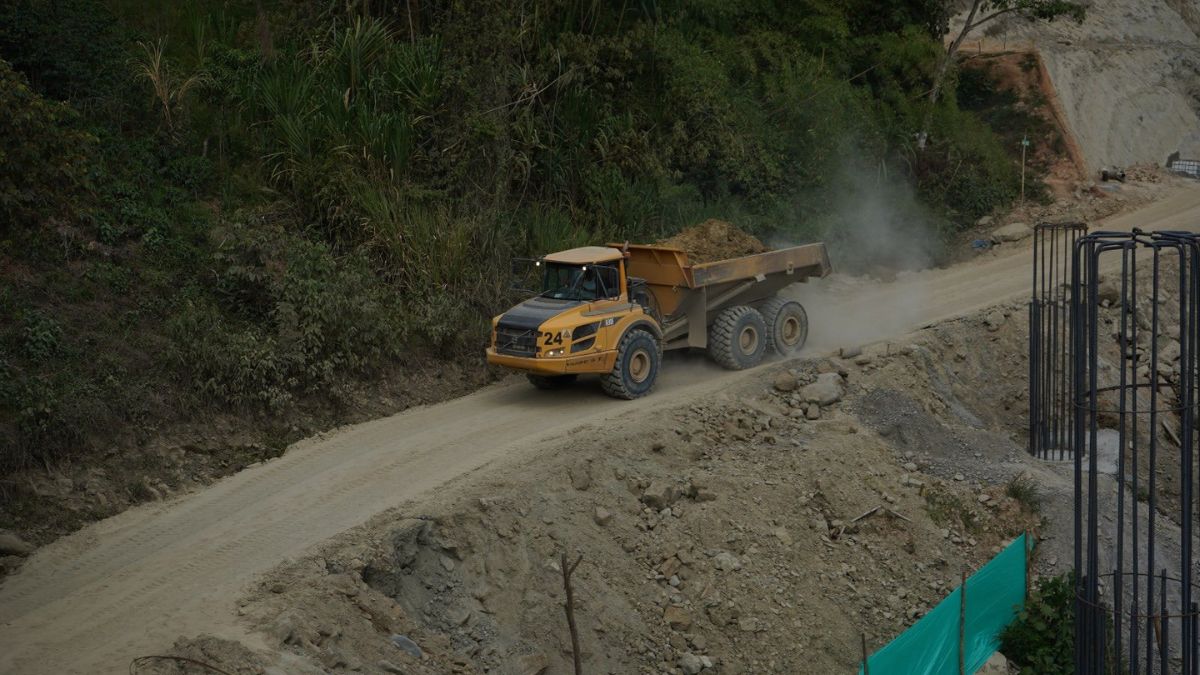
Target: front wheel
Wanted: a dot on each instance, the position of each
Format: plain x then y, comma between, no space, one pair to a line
787,325
636,369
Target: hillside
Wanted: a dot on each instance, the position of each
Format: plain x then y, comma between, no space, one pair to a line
230,225
1127,77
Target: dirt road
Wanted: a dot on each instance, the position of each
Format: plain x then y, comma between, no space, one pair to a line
130,585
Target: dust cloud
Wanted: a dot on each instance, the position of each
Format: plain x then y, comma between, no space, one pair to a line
879,237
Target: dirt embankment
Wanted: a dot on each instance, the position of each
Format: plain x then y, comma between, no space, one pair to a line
714,240
1126,77
762,531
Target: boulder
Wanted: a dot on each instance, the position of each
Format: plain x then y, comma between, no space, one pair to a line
535,663
785,381
828,389
677,618
690,664
997,665
1011,232
659,495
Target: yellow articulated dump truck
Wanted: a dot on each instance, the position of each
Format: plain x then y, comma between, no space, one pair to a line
612,310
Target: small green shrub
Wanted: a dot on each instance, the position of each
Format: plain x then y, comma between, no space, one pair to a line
1024,489
43,336
288,318
1042,638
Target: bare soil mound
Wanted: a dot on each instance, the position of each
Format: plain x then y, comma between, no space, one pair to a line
715,240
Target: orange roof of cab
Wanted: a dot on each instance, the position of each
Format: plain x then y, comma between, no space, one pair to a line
585,255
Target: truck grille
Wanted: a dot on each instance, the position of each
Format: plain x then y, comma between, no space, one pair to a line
516,341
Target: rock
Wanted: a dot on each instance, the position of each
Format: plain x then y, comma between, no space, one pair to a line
910,466
994,320
1011,232
581,477
659,495
526,664
677,618
785,381
748,624
690,664
602,516
782,535
984,221
997,665
389,667
727,562
826,390
813,412
287,629
406,645
11,544
1108,292
959,476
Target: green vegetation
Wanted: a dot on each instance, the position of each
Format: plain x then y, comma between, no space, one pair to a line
1024,489
244,207
1041,640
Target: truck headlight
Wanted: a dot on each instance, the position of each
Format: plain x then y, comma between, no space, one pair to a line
554,352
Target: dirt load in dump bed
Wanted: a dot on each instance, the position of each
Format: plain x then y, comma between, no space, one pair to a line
714,240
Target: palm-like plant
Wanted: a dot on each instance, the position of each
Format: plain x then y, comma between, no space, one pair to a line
169,90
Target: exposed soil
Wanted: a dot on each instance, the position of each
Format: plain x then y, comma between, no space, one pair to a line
715,240
744,536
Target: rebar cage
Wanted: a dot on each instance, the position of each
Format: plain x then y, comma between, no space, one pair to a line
1050,364
1133,382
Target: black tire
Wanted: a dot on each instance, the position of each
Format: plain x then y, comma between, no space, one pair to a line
787,325
738,338
633,375
551,382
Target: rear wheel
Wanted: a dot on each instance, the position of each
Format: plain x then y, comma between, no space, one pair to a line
551,381
636,369
738,338
787,325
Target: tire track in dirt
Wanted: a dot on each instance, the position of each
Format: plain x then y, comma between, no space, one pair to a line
129,585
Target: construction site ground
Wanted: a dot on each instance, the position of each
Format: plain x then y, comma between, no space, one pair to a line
726,522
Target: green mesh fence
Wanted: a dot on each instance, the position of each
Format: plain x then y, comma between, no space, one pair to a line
930,646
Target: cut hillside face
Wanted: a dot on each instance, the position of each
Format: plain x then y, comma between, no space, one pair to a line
1126,78
764,533
714,240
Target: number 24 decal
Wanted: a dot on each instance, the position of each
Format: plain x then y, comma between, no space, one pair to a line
552,338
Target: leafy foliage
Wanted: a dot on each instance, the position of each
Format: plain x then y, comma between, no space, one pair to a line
254,209
43,153
1042,638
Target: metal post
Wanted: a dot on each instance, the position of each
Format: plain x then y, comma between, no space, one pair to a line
962,625
866,665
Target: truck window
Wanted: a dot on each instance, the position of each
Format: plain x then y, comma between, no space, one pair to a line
580,282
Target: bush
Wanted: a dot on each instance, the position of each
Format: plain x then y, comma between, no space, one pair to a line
1042,638
43,154
289,318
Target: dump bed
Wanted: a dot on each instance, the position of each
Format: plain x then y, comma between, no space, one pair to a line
662,266
688,295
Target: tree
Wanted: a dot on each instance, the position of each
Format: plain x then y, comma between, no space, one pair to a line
987,10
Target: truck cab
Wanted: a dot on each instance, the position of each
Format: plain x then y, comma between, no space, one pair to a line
574,324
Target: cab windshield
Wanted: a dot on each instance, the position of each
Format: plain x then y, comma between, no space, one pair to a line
563,281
